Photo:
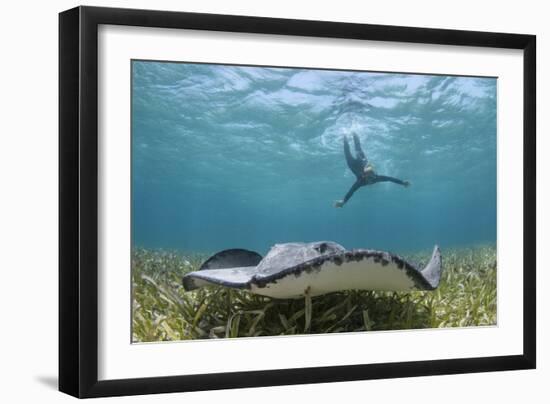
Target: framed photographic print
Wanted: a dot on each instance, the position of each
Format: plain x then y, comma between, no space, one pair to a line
250,201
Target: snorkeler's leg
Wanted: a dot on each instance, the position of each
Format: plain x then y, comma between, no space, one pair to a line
355,164
358,150
347,152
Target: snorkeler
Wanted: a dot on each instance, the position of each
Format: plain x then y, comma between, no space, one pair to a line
363,171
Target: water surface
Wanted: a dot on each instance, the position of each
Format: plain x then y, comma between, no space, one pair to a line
232,156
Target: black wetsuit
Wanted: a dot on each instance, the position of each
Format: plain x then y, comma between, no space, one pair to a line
357,165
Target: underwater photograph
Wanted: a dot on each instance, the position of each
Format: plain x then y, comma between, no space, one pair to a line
272,201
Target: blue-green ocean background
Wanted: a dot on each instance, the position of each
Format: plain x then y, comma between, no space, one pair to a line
234,156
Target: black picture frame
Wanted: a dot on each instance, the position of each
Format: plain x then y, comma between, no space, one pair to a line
78,200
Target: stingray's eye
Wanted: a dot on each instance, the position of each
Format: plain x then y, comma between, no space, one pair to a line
321,248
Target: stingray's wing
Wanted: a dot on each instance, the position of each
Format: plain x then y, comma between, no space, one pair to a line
238,278
232,268
432,272
235,257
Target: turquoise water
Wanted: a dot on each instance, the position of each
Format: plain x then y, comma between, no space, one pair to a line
231,156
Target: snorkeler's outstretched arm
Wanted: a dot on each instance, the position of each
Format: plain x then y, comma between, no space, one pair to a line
356,185
385,178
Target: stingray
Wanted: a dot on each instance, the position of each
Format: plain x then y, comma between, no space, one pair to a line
294,270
